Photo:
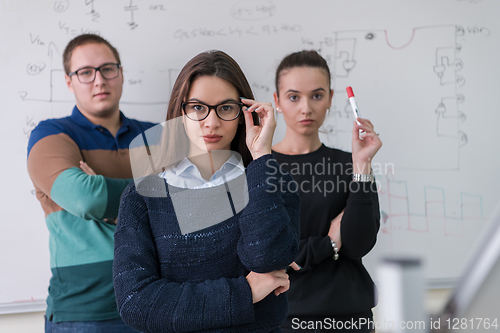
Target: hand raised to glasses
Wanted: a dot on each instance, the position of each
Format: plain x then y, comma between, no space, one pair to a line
259,137
364,149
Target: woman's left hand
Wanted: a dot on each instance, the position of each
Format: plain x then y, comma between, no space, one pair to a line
363,150
259,137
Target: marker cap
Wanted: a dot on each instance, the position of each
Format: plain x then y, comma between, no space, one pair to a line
349,92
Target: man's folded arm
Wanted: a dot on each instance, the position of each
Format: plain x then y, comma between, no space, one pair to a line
53,165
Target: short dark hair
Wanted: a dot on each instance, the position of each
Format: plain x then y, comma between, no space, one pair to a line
211,63
84,40
304,58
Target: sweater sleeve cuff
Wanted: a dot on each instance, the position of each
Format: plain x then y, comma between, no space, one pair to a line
326,247
242,305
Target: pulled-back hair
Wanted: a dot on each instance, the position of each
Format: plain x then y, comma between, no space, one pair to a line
301,59
84,40
211,63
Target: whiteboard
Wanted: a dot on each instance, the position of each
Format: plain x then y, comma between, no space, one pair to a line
424,71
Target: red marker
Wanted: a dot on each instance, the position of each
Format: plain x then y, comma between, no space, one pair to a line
354,106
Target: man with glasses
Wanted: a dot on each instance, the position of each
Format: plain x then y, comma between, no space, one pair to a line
80,209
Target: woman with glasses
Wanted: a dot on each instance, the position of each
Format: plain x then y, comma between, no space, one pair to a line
339,216
202,245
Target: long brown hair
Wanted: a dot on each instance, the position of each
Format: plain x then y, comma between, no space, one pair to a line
210,63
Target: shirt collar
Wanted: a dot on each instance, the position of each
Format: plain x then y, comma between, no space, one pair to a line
183,166
78,117
233,160
186,166
186,175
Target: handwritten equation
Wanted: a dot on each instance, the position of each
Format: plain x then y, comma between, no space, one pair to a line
238,31
252,11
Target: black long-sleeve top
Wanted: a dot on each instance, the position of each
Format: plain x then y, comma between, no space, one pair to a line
327,287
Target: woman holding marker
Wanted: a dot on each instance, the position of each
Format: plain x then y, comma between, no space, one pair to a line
339,215
176,273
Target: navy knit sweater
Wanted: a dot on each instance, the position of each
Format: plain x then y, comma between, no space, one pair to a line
169,282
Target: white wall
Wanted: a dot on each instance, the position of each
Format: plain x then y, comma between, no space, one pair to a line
31,322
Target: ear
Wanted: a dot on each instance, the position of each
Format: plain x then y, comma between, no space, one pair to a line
276,102
331,97
69,83
121,70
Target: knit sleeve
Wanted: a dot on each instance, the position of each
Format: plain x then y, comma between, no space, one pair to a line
270,222
149,302
312,251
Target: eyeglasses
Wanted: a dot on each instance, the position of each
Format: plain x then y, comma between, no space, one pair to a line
87,74
198,111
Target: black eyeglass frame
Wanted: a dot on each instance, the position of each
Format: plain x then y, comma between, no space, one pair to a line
213,107
96,69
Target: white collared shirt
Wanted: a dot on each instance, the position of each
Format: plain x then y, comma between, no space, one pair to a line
186,175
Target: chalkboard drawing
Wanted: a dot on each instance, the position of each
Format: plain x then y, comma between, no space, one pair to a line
93,13
252,10
399,209
410,85
397,217
449,118
60,6
396,213
58,89
345,59
435,207
446,69
146,87
131,8
471,207
140,87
